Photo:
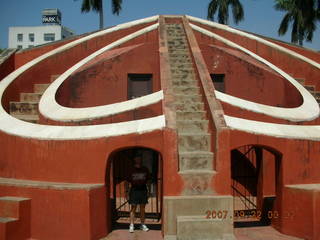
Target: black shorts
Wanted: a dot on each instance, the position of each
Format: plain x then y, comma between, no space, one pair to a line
138,195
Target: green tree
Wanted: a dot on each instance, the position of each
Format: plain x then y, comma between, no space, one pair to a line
302,15
222,7
97,6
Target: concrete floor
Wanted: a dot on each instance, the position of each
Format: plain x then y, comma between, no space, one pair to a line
261,233
251,233
123,234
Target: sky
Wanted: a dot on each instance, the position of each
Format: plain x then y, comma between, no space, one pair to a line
260,16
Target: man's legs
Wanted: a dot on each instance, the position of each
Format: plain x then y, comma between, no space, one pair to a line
142,217
142,213
132,213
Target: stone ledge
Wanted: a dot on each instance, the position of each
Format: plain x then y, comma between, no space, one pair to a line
198,227
47,185
194,205
307,187
13,199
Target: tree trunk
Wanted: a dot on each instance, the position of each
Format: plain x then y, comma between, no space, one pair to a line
301,37
101,15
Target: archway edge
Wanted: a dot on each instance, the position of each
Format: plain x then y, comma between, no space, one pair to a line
119,149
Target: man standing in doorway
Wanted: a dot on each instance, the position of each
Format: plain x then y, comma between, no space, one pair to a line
139,185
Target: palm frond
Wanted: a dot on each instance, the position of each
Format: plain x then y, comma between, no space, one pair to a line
223,13
295,32
237,11
91,5
212,8
116,6
283,28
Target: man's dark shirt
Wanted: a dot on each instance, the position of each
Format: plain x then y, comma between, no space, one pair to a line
138,176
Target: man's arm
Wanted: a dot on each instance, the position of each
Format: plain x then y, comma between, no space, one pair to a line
127,187
149,183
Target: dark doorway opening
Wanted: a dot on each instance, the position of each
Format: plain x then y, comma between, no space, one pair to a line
139,85
255,185
121,162
218,82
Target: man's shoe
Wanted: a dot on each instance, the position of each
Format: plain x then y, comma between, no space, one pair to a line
144,228
131,228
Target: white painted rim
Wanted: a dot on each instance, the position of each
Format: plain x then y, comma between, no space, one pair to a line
51,109
253,37
273,129
309,109
13,126
305,132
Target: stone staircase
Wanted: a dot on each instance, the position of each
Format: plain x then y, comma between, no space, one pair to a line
14,218
195,157
186,220
310,88
27,108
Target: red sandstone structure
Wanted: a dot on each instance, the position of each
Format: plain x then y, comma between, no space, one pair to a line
226,121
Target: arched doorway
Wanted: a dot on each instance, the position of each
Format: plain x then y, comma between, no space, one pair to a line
121,162
255,185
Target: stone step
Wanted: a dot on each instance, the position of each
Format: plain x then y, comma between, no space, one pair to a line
30,97
196,126
15,217
189,142
54,77
177,48
174,56
189,106
175,31
175,34
310,88
10,206
188,98
180,39
181,83
177,41
180,60
184,84
198,206
317,95
188,75
199,227
7,219
182,70
185,115
182,65
174,26
197,182
173,51
8,228
24,108
186,90
195,161
40,87
301,80
183,78
27,118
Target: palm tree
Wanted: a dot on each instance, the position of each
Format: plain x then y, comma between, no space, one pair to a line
222,6
97,6
302,14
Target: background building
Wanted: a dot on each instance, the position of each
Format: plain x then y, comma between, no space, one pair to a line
30,36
